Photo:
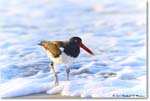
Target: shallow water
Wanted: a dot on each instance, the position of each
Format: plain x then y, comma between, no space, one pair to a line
114,30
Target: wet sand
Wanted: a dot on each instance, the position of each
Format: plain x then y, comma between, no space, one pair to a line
45,96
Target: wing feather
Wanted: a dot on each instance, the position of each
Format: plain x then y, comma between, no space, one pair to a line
52,47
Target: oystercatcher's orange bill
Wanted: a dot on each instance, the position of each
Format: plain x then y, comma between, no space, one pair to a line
86,49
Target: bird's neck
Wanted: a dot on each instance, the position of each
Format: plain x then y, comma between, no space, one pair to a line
72,49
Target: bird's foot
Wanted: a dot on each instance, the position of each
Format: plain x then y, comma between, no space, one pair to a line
56,83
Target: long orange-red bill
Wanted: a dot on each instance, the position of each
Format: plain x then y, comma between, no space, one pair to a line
86,49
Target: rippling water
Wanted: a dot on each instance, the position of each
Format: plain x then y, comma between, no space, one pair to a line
115,30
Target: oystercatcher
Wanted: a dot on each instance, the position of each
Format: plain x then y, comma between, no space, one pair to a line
63,52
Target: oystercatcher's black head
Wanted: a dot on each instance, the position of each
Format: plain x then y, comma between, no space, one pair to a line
78,41
75,40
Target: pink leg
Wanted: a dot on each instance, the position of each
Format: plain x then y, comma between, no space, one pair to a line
68,71
56,77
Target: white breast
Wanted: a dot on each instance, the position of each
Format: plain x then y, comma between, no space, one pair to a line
62,59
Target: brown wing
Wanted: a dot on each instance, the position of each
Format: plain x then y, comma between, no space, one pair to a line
52,47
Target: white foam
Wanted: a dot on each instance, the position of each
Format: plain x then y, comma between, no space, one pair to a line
20,87
84,87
